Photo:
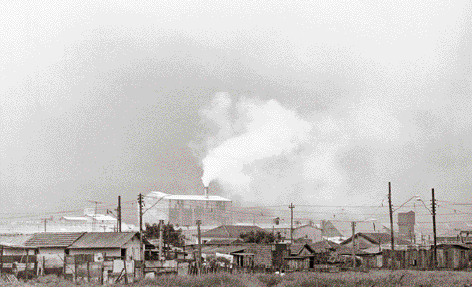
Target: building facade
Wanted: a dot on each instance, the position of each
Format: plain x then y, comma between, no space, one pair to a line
185,210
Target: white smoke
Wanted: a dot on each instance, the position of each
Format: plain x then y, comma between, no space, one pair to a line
264,152
262,148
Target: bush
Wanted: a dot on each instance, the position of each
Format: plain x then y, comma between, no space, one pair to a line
270,279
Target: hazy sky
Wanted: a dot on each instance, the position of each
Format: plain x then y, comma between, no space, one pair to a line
111,98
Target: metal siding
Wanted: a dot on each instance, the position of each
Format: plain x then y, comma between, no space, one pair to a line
103,240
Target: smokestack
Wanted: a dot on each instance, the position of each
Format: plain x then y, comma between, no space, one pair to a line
205,191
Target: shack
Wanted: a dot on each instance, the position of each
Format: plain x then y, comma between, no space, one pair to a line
118,245
453,256
301,257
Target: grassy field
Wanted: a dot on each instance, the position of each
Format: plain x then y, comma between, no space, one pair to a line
374,278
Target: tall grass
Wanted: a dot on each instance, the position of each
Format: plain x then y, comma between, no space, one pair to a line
222,279
303,279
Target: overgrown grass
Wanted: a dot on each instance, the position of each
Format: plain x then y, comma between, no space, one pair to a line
222,279
303,279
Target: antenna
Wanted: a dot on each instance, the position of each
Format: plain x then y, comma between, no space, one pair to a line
94,218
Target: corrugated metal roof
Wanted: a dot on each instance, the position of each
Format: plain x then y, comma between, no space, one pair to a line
158,194
62,239
14,240
75,218
103,240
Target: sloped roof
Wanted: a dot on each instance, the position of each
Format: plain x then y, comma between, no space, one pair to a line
347,250
231,231
104,240
295,249
329,230
224,241
379,238
345,228
14,240
62,239
323,246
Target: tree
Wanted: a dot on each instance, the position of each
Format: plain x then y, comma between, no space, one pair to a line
258,237
170,235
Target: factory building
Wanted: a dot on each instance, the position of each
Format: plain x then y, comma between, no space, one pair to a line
406,225
185,210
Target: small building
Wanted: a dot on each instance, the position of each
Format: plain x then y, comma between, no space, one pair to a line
15,245
324,251
301,257
377,239
453,256
123,245
261,255
53,243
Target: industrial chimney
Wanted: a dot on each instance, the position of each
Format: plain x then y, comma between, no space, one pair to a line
205,191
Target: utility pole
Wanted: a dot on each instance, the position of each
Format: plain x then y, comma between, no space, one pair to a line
434,229
119,213
141,249
161,234
199,259
391,215
291,222
94,218
353,225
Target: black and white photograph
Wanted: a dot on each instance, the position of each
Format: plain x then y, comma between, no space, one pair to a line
245,143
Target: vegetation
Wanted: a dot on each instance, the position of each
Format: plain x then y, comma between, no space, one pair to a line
258,237
373,278
170,235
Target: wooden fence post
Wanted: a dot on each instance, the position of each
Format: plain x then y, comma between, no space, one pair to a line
88,271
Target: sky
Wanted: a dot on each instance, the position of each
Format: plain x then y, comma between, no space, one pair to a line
310,103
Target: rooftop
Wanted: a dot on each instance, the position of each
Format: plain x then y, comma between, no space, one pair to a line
48,239
378,238
13,240
103,240
166,196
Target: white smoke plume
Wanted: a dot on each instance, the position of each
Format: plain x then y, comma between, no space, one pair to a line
264,152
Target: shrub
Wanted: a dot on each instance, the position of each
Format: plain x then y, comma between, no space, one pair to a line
270,279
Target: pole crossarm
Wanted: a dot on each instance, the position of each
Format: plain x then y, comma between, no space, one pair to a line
155,203
417,198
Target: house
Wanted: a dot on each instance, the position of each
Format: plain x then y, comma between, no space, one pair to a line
261,255
451,236
53,243
12,249
466,236
15,245
309,231
453,256
228,232
124,245
324,250
301,257
224,241
377,240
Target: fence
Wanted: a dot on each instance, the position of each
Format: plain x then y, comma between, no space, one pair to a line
20,265
87,268
234,269
422,259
